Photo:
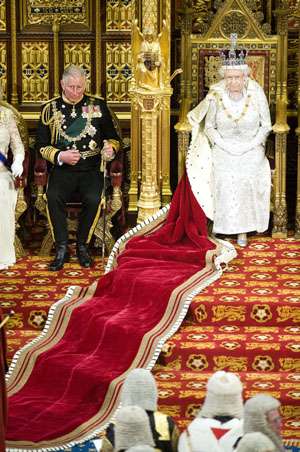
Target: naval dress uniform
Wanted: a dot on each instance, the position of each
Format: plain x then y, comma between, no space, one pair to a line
84,126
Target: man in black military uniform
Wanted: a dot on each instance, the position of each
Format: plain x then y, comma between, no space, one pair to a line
76,134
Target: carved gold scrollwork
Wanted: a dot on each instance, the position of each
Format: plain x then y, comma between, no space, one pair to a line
118,71
47,11
234,22
3,67
118,15
2,15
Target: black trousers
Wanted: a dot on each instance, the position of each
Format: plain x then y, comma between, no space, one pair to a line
62,184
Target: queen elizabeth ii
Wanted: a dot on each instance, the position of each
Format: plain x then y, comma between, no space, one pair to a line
9,138
226,163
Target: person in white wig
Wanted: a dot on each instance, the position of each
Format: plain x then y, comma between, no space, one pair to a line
226,164
255,442
141,448
261,414
218,424
139,388
132,428
9,139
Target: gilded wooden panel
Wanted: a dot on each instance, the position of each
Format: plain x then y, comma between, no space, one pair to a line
35,71
2,15
118,71
79,53
149,13
3,68
118,15
41,12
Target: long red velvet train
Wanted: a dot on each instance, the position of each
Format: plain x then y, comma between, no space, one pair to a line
65,386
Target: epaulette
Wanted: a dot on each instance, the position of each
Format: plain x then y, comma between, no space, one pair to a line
50,100
46,115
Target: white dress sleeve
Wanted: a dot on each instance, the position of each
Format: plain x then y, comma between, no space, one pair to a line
16,143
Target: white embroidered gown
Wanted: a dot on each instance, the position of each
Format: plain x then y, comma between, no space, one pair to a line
237,131
9,136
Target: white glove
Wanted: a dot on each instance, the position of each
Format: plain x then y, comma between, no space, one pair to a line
107,151
17,165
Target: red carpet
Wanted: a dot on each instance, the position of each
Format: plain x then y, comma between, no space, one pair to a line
246,322
68,382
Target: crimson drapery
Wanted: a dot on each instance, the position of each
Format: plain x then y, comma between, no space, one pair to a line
68,383
3,399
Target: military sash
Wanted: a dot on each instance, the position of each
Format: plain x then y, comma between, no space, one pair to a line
77,126
3,159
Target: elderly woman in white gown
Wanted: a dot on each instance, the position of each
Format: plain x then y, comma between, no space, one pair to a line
9,138
226,163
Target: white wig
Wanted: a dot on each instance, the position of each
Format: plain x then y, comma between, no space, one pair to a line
256,442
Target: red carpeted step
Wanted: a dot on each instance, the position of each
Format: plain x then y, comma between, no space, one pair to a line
242,309
233,348
181,393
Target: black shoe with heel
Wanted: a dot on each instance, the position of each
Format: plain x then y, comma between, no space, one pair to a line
83,255
61,256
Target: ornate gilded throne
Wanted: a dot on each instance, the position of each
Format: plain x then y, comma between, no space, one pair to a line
267,60
113,203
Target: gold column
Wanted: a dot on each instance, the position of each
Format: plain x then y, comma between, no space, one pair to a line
164,175
164,148
281,129
150,125
98,49
297,222
183,127
55,29
149,200
134,131
14,88
134,158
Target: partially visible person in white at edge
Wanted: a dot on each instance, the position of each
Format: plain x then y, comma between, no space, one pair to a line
9,138
219,423
226,163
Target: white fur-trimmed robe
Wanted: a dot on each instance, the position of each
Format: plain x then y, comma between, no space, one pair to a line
202,439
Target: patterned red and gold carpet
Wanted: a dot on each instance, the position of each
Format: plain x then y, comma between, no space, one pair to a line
247,322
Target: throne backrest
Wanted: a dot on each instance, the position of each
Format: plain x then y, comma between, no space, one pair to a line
263,50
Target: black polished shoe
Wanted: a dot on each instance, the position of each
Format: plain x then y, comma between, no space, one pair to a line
61,256
83,255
